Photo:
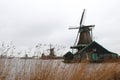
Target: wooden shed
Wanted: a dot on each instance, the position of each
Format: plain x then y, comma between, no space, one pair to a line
68,56
94,52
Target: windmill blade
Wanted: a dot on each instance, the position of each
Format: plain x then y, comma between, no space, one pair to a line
87,26
76,38
73,28
82,17
80,26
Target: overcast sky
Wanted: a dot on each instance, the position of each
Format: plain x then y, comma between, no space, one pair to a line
28,22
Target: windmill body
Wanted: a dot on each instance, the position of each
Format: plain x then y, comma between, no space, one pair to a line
84,36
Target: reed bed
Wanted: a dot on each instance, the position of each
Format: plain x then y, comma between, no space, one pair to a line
31,69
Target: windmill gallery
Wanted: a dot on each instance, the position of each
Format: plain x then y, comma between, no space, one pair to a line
87,49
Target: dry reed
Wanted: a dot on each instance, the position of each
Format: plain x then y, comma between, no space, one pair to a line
18,69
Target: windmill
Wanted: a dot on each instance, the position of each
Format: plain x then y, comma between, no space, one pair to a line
84,35
51,51
87,49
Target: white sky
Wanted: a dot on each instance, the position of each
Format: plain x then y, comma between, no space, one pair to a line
28,22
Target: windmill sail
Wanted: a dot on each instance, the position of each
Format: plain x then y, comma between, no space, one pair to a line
81,21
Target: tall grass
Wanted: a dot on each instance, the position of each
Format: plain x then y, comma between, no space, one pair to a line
20,69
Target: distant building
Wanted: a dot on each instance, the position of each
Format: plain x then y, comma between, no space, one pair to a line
68,56
51,54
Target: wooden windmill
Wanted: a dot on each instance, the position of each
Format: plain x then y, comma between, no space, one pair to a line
51,51
84,35
87,49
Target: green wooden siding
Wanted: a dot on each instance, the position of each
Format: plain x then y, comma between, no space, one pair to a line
114,55
94,56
